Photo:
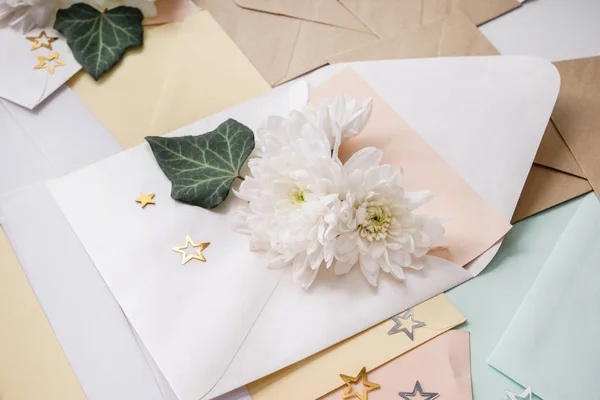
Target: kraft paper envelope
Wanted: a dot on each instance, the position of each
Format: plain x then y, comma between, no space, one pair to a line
32,363
576,113
322,11
21,82
184,72
552,342
58,277
280,47
319,374
491,300
457,36
200,363
388,18
441,366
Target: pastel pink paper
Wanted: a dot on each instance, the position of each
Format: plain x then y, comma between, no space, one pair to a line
472,225
442,365
168,11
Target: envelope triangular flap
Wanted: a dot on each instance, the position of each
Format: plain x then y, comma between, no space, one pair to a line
322,11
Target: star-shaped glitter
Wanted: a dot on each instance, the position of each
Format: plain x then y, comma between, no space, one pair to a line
194,256
367,386
55,62
406,323
37,43
145,199
418,390
526,395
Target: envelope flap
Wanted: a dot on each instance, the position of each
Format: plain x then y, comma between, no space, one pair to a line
481,11
321,11
554,153
453,36
576,114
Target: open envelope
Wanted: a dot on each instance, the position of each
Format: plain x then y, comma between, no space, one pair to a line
196,70
500,290
552,342
28,86
229,356
441,366
556,177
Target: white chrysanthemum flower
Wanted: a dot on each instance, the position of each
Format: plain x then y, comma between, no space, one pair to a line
385,234
339,119
293,197
25,15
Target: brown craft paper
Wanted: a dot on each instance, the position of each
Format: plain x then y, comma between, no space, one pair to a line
282,48
387,18
457,36
32,363
545,188
577,113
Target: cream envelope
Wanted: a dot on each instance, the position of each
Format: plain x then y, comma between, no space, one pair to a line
387,18
21,82
280,47
457,36
369,349
233,356
441,366
185,71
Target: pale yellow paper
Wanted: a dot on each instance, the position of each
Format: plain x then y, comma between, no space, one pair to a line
369,349
184,72
32,363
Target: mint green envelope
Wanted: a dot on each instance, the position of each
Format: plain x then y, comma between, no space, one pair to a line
491,299
553,342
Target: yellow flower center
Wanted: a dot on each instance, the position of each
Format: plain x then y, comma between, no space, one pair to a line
377,222
297,195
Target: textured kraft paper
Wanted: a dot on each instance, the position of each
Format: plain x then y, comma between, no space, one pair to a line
457,36
387,18
577,115
185,71
32,362
285,39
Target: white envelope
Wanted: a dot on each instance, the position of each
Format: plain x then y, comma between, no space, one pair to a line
211,330
21,83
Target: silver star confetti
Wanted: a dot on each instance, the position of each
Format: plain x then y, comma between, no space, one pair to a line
526,395
406,323
418,390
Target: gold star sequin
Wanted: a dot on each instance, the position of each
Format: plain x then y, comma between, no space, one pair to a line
145,199
49,67
194,256
367,386
37,43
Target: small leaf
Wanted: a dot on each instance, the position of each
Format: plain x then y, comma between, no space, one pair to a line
99,40
202,168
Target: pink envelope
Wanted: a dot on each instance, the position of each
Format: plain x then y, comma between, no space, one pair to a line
472,225
441,365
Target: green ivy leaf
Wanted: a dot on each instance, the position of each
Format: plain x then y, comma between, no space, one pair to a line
202,168
99,40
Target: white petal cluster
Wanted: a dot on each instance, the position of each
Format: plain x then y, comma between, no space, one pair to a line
306,209
25,15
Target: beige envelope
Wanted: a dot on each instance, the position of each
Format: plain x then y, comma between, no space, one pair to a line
387,18
185,71
577,113
457,36
32,363
280,47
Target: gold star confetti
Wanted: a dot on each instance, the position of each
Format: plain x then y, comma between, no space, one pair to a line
194,256
145,199
37,44
54,62
367,386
